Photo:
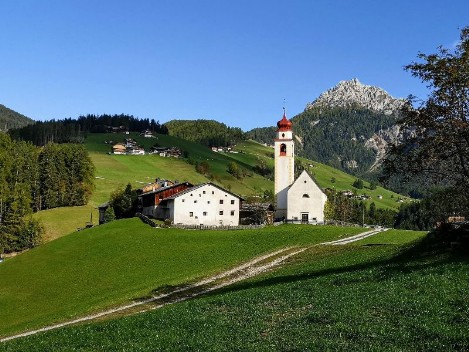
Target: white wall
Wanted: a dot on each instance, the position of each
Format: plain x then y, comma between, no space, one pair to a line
204,204
298,204
284,171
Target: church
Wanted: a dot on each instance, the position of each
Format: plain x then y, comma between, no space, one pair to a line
300,200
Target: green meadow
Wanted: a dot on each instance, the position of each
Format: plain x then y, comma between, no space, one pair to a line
396,291
125,260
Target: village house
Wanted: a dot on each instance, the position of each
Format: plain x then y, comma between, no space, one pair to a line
146,134
166,151
119,148
129,147
182,203
152,195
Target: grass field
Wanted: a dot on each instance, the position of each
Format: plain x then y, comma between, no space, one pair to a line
124,260
390,292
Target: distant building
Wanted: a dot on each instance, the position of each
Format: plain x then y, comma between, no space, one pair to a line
119,148
146,134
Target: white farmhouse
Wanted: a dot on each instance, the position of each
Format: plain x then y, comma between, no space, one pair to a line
297,201
205,204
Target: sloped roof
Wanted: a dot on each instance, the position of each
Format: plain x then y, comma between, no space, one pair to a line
310,177
161,189
192,189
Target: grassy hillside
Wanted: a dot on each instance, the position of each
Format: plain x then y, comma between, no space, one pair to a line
113,171
391,292
124,260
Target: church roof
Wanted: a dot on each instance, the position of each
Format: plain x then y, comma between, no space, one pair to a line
284,124
303,174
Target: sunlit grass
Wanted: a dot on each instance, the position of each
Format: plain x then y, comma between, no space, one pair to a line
407,297
123,260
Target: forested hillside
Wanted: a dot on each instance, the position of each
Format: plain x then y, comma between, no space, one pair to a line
75,130
207,132
32,179
11,119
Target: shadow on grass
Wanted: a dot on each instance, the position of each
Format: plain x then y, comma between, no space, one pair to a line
422,255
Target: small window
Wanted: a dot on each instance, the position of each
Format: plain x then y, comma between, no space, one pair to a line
203,192
208,202
232,213
304,181
205,213
306,195
191,214
220,212
183,200
191,194
232,201
195,201
221,201
283,149
213,192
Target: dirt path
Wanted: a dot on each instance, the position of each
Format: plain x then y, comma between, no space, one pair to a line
244,271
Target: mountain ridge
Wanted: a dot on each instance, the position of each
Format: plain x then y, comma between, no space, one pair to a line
351,93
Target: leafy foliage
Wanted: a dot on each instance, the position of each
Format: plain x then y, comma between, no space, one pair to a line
32,179
346,209
358,183
437,145
123,202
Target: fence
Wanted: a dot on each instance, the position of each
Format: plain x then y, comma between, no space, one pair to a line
219,227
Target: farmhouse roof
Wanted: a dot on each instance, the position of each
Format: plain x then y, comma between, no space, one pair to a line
161,189
174,196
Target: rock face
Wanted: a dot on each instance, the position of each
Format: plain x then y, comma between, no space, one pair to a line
379,142
353,93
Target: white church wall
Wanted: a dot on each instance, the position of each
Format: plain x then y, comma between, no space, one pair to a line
305,197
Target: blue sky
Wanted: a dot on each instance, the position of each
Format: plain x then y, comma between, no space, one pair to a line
232,61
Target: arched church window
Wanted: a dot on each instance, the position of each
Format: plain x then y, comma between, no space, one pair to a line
283,149
306,195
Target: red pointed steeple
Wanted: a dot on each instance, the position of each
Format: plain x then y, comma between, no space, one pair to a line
284,124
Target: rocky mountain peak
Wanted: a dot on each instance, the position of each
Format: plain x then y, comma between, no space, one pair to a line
352,93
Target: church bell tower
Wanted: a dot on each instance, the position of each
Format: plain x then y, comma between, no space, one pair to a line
284,164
